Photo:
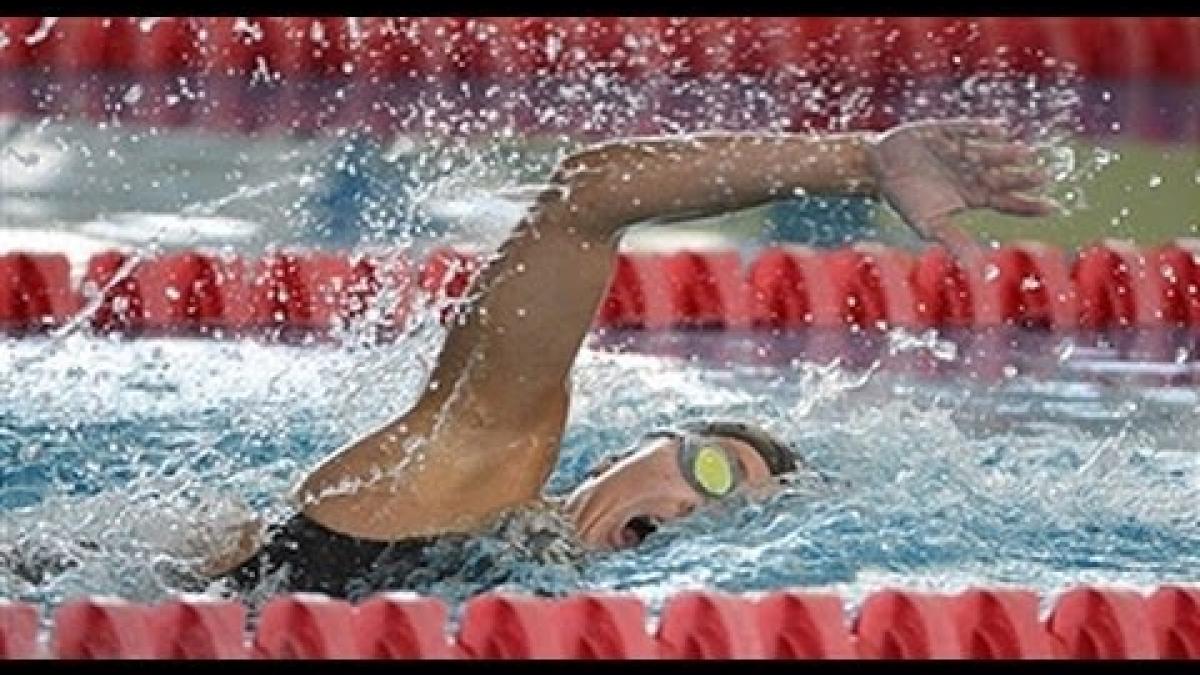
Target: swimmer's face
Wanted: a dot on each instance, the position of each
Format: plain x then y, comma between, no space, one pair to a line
623,501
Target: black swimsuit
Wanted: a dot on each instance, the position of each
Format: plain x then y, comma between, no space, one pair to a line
302,555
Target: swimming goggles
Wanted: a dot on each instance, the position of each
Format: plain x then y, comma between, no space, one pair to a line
707,466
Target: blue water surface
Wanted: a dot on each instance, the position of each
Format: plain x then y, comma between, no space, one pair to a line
136,446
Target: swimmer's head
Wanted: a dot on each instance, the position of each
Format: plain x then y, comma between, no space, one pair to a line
669,474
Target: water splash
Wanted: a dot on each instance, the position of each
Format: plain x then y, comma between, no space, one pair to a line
122,444
151,441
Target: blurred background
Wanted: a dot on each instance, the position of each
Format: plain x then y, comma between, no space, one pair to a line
261,132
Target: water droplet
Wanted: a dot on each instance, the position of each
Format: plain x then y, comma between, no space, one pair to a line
29,453
943,350
1155,180
42,31
991,272
1065,350
553,47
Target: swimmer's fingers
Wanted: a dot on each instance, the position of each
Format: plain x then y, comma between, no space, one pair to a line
1019,204
1014,178
963,127
990,153
953,137
972,155
991,129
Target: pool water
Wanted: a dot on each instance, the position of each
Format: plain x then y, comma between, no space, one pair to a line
138,448
128,457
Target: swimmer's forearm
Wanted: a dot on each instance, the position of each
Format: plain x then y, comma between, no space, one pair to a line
626,181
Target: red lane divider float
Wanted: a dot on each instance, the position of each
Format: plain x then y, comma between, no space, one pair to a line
499,626
1001,624
1175,620
199,293
1120,285
18,630
901,625
306,626
1084,623
709,625
794,625
867,287
403,626
197,627
1090,623
309,58
103,628
35,291
1101,47
600,626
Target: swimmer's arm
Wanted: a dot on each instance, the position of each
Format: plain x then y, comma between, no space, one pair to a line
928,172
628,181
485,434
489,425
538,296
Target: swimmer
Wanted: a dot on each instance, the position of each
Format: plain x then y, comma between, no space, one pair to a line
481,442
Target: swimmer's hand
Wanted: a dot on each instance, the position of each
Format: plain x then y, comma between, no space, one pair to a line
930,171
220,539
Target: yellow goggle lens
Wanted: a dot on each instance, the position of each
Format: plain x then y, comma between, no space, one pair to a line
712,471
